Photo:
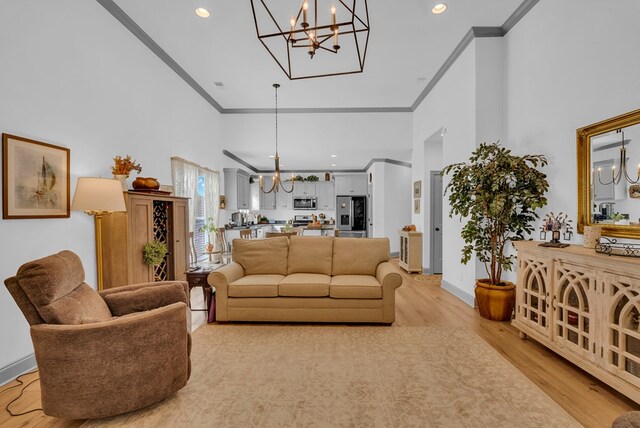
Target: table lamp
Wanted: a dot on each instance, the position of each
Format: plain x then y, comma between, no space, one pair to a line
98,197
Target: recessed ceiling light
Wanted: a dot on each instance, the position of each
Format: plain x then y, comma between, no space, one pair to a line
333,164
202,12
421,79
439,8
334,156
272,156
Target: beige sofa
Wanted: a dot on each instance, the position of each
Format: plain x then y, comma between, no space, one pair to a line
307,279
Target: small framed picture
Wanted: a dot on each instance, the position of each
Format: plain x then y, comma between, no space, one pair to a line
417,189
416,206
35,179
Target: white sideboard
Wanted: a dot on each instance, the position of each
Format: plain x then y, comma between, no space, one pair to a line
586,307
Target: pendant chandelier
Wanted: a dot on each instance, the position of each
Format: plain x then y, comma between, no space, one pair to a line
622,172
277,180
338,27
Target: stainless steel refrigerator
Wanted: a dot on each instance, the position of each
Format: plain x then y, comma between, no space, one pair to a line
352,216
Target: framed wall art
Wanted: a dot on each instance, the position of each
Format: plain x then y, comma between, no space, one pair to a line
35,179
417,189
416,206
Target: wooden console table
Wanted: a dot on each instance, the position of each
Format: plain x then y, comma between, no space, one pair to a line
584,306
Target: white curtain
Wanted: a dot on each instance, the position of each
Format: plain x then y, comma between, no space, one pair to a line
185,183
211,194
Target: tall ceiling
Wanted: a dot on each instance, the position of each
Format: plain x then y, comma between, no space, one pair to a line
407,46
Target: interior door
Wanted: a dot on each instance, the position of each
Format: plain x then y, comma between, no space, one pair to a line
436,223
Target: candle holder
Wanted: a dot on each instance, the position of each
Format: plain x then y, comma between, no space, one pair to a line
558,225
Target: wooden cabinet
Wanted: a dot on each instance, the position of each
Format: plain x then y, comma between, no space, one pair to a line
411,251
325,191
584,306
237,189
351,185
148,218
305,189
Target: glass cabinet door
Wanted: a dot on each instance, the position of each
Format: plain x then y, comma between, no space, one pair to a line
621,351
574,307
533,293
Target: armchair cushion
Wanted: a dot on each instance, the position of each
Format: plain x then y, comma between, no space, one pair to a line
145,299
55,286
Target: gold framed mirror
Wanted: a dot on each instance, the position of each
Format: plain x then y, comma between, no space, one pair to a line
608,176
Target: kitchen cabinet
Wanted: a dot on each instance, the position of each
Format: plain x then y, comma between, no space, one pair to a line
304,189
350,185
268,200
237,189
284,201
147,218
326,193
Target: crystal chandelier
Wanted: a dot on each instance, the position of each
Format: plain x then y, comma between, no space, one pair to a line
622,172
277,181
337,26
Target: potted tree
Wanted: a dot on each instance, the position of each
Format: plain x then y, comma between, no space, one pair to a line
498,194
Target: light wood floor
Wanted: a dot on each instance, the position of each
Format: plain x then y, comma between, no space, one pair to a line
588,400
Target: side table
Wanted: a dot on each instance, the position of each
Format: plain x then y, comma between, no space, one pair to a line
198,278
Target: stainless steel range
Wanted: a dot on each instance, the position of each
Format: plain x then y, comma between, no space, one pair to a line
302,220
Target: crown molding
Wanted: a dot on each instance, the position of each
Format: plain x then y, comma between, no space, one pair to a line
474,32
241,161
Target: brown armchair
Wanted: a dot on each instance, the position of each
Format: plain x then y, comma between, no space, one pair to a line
93,364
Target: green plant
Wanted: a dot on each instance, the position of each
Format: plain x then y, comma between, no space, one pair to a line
124,166
153,252
498,194
312,178
264,219
299,178
617,217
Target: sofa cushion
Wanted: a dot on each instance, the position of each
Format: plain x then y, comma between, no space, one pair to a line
145,299
310,254
55,286
359,256
262,256
255,286
355,287
304,285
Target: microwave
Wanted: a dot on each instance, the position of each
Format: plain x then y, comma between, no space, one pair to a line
305,203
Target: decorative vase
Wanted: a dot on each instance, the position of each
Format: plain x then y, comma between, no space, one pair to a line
591,236
495,302
123,180
146,183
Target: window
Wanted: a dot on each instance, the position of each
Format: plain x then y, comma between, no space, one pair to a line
202,186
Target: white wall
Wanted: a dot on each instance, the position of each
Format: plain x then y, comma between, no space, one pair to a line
397,202
565,65
568,64
73,76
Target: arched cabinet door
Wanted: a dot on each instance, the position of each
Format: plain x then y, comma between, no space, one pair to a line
533,293
574,305
621,351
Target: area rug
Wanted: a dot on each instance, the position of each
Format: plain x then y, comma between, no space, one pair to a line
348,376
428,279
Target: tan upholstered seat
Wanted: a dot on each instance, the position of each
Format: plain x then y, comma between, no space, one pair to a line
305,285
102,354
255,286
355,287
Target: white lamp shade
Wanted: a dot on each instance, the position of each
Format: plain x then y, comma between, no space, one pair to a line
98,194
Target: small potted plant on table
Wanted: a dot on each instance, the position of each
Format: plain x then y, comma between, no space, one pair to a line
498,194
210,229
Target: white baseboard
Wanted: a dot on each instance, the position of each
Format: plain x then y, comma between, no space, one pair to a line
460,294
15,369
394,254
426,271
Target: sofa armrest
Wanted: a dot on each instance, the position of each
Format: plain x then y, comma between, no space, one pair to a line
134,287
89,371
390,279
220,279
388,276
